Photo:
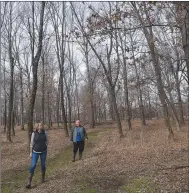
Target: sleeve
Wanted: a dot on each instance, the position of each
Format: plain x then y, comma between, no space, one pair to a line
85,133
71,136
32,142
47,139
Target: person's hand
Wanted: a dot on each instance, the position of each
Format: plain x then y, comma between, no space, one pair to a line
30,155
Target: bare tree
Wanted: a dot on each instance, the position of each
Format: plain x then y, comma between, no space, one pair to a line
60,52
11,89
150,37
107,70
35,61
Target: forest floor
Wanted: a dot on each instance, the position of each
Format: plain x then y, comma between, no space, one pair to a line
144,161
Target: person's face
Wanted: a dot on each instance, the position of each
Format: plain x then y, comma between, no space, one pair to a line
40,126
77,123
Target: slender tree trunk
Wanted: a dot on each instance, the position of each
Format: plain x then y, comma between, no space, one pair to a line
110,104
114,102
57,106
64,117
11,98
126,92
21,101
5,115
35,62
13,122
77,99
5,103
141,106
11,89
49,111
107,72
180,107
170,101
69,106
149,107
90,88
183,11
162,95
43,89
179,98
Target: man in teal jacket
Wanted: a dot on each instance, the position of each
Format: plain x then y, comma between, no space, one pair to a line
78,137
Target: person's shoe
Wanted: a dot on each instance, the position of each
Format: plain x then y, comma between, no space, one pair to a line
80,156
73,160
43,176
28,186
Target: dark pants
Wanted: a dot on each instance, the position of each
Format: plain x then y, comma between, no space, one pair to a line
78,145
34,160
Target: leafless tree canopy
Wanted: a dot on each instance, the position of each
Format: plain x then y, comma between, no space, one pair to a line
94,61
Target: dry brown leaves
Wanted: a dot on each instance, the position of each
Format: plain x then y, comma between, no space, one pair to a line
144,151
15,154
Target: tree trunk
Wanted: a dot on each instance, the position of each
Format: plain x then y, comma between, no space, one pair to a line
0,66
162,95
141,106
69,106
5,115
11,98
117,117
11,89
90,88
106,71
64,117
149,107
183,11
57,106
35,62
13,122
21,101
179,98
5,104
43,89
126,92
180,107
49,111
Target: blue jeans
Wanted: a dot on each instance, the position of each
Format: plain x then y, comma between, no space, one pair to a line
34,160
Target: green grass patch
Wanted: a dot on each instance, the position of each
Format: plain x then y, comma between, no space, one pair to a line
83,186
15,179
140,185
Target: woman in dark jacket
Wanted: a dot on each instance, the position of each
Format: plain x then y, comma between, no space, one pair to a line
38,148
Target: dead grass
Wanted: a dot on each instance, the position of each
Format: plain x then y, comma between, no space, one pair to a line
15,154
140,162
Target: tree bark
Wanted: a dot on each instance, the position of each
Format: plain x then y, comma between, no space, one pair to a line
90,88
183,11
5,103
35,62
107,72
125,81
43,90
11,88
21,101
162,95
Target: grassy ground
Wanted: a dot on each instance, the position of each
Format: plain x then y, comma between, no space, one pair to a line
139,163
14,179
